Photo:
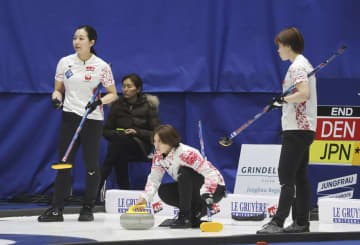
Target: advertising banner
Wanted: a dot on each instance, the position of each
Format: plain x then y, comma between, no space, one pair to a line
119,201
339,211
257,170
246,205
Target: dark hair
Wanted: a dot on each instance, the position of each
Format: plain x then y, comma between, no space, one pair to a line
168,135
292,37
92,35
135,79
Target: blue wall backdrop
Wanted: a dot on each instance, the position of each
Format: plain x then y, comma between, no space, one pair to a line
213,60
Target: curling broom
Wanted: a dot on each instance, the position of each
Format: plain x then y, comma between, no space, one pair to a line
208,226
64,164
227,140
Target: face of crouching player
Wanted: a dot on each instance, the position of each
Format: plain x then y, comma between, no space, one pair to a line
165,138
161,147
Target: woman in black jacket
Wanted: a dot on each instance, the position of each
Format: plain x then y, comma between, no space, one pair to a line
128,128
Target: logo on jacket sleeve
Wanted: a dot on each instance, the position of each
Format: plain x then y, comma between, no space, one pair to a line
68,73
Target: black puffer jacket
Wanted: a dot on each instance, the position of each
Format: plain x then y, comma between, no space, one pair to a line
141,116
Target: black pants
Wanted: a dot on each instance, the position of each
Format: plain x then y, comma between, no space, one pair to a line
185,193
293,176
89,139
118,155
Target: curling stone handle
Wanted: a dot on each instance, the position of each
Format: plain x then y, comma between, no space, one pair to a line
138,207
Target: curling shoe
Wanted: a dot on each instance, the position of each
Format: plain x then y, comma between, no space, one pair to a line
86,213
295,228
52,215
182,222
269,228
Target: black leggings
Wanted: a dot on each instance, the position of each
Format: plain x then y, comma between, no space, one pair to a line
118,155
89,139
293,172
185,193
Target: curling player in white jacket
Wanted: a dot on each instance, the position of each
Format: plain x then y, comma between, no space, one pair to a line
198,184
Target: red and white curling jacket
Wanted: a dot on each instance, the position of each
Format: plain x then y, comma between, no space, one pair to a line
183,155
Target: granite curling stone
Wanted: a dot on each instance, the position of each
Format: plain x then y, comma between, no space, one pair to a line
136,219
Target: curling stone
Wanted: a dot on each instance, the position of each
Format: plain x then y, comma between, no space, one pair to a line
135,219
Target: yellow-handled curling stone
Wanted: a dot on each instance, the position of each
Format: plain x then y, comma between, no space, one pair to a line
137,219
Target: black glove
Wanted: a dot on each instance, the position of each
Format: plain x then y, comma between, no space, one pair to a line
93,105
56,103
276,102
208,199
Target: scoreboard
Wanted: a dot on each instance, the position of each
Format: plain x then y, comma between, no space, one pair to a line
335,153
337,136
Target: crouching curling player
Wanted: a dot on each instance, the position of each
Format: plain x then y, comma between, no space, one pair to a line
198,183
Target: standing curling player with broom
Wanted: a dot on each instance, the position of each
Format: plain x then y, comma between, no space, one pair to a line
198,183
299,111
80,74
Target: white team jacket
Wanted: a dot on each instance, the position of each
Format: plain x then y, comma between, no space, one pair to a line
183,155
80,80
